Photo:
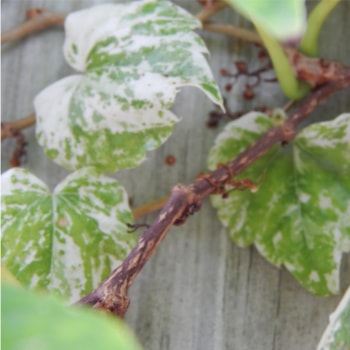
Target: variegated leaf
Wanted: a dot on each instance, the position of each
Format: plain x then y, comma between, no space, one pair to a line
300,215
135,58
66,241
337,334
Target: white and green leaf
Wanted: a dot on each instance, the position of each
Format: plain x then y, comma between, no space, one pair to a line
283,19
337,334
300,215
42,322
66,241
134,59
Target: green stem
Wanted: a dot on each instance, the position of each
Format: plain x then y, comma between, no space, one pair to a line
290,85
309,43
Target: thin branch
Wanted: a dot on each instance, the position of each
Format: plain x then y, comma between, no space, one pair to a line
37,20
8,128
210,11
290,104
185,200
150,207
242,70
235,31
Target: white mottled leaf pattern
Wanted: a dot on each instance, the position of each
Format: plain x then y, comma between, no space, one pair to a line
134,57
337,334
66,241
300,215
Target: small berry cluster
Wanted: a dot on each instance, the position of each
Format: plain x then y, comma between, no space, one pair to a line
20,151
241,69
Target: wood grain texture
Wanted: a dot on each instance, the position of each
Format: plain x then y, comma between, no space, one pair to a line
199,291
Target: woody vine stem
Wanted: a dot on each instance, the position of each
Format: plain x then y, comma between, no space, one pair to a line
185,200
324,77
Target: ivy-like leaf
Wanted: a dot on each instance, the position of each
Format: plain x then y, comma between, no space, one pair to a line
337,334
300,215
40,322
66,241
135,58
283,19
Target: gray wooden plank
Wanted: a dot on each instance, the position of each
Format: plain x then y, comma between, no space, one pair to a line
199,291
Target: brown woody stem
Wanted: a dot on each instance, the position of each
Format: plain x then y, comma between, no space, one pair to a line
150,207
235,31
210,11
7,128
112,294
37,20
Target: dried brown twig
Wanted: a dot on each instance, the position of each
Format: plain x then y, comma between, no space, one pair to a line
8,128
37,20
150,207
234,31
210,8
14,130
20,149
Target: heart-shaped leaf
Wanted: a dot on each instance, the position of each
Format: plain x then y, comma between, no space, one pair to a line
42,322
300,215
135,58
283,19
66,241
337,334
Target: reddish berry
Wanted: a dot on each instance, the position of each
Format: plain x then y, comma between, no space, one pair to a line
248,93
262,54
241,66
170,160
228,87
224,72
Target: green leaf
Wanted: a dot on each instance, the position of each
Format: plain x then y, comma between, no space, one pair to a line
134,57
337,334
7,277
317,17
39,322
290,85
300,215
66,241
283,19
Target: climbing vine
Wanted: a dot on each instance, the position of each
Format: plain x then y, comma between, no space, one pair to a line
282,189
